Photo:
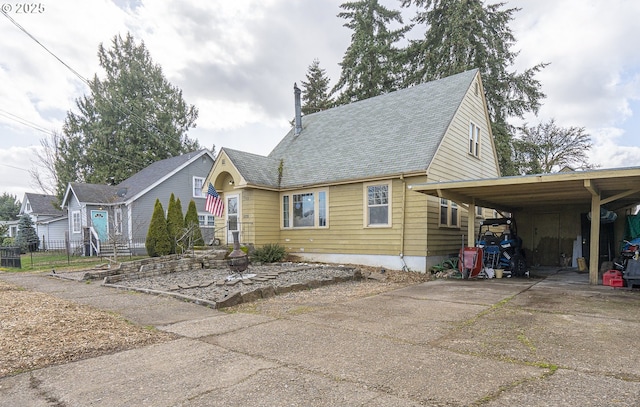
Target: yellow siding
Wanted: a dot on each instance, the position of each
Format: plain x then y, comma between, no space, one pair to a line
346,232
261,211
453,162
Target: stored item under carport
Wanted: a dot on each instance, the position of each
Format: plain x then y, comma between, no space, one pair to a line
632,273
470,262
613,278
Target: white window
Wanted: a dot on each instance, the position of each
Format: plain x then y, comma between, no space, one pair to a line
206,220
449,216
474,140
378,205
308,209
479,211
198,185
118,220
76,226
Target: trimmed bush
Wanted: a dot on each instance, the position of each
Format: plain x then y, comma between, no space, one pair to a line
158,243
191,221
269,253
175,223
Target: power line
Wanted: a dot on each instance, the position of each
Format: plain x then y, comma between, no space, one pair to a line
115,103
14,167
24,122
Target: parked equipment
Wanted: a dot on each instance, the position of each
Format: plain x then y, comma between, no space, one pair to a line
502,246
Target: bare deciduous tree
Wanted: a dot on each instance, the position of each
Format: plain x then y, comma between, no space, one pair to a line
43,171
547,148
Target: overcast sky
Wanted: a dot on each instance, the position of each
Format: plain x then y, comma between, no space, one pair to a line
237,62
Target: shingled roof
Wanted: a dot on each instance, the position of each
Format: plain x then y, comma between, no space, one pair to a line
138,183
153,174
43,204
394,133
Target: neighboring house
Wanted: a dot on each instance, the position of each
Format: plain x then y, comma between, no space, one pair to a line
121,213
335,188
12,227
49,221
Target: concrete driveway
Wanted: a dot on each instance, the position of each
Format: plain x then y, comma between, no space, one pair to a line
553,341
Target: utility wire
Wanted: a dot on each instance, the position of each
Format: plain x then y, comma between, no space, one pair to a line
114,103
24,122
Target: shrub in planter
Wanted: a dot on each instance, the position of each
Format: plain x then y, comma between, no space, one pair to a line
269,253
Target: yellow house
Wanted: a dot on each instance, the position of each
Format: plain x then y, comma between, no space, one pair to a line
335,188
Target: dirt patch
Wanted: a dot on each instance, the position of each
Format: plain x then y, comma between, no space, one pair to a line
39,330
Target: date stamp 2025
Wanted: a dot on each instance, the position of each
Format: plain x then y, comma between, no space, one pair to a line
22,8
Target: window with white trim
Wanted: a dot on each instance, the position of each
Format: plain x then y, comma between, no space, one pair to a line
308,209
377,205
76,224
198,186
474,139
449,214
206,220
479,211
118,220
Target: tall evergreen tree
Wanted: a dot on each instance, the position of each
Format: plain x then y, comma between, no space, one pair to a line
466,34
175,222
192,223
158,243
27,237
131,118
9,207
315,90
370,66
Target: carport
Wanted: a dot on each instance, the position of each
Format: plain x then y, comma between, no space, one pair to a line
616,190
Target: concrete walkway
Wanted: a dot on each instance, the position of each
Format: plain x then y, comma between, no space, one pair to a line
553,341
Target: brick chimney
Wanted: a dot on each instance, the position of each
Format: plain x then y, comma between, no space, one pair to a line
297,92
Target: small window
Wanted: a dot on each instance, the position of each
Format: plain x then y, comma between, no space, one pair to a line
322,208
377,205
118,220
198,183
206,220
479,211
76,226
285,211
449,214
474,140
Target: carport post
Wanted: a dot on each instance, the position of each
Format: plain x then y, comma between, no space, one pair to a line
594,244
471,224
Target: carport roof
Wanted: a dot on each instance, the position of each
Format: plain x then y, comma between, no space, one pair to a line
618,188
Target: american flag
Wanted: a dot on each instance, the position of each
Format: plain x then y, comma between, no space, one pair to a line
214,204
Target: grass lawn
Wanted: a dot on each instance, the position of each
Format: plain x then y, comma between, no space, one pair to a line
46,261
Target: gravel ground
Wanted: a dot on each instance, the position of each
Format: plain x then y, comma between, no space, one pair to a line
203,283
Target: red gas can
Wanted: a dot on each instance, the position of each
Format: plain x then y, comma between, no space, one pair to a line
613,278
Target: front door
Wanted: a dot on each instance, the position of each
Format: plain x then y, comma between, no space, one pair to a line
100,222
233,216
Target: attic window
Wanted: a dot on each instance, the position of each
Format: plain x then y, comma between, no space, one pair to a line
474,139
198,183
476,88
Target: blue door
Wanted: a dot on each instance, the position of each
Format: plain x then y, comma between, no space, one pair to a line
100,221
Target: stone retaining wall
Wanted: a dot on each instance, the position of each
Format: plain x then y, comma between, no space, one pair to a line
153,266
